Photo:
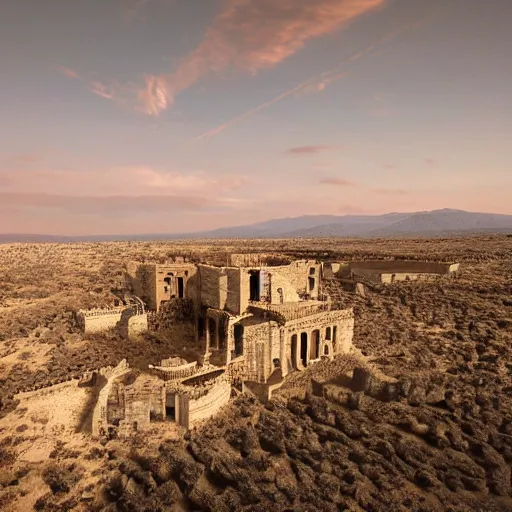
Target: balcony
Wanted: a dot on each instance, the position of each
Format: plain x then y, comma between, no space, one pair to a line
283,313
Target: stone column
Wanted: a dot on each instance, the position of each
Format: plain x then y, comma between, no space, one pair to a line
207,345
282,352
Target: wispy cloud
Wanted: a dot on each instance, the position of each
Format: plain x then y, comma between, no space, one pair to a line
107,204
113,91
316,83
252,35
432,162
307,150
339,182
29,158
391,191
70,73
128,181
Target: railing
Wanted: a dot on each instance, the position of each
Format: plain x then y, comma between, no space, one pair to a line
176,372
288,312
116,310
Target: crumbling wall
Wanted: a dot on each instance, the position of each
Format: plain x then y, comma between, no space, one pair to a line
99,415
166,290
343,320
259,337
99,320
256,259
137,324
210,286
233,303
209,404
397,266
144,402
141,280
298,274
281,290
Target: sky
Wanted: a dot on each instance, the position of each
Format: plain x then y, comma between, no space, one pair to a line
168,116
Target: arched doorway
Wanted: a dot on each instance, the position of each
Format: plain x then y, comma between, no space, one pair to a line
314,351
294,352
304,348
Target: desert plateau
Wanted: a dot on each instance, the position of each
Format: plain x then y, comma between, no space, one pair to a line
417,416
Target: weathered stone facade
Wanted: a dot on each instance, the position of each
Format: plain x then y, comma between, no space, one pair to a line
131,402
256,318
387,272
126,319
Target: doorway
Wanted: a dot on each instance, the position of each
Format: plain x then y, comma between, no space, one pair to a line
304,348
181,288
314,351
294,351
254,285
170,406
239,340
212,329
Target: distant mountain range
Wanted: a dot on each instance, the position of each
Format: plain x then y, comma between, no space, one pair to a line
435,223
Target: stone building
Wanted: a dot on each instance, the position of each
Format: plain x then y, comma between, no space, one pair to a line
251,320
391,271
176,393
129,320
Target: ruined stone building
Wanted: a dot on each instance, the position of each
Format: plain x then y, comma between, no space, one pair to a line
254,324
385,272
253,320
179,392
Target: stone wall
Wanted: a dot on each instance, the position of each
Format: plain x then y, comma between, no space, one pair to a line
257,337
167,286
99,415
233,303
281,290
256,259
99,320
404,267
137,325
155,283
210,286
141,279
144,402
202,408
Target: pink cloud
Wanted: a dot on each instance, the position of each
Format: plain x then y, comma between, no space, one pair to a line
70,73
391,191
340,182
113,91
315,84
107,204
252,35
29,158
307,150
129,181
432,162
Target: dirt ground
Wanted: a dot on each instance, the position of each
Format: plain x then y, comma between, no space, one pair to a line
447,446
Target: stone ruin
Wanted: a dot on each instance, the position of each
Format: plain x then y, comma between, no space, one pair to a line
391,271
131,401
255,324
130,321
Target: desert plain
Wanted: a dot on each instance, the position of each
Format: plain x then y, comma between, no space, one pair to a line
447,447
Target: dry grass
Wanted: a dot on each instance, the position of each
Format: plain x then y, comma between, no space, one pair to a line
451,449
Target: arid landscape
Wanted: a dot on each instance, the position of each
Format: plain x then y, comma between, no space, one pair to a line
438,439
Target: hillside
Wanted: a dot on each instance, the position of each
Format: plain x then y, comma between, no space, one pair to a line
434,223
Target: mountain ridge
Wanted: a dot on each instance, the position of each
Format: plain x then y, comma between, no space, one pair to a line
433,223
